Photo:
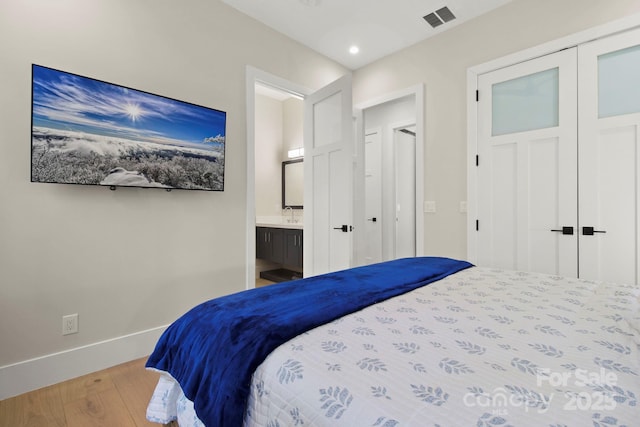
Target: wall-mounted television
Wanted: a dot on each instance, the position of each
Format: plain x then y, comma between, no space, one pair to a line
87,131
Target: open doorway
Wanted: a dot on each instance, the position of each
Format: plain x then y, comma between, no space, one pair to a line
279,184
412,97
392,171
274,128
325,239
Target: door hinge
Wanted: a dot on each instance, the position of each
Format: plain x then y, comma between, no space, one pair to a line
477,160
477,225
477,95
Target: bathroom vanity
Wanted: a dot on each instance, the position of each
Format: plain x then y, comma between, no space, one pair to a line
280,244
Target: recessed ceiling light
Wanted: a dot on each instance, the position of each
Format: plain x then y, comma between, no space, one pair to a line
354,50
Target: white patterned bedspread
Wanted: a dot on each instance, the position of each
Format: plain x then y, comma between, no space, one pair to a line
482,347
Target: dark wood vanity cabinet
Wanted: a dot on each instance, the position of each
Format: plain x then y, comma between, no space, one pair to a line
292,247
279,245
270,244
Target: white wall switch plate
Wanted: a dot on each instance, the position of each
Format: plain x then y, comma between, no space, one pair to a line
430,206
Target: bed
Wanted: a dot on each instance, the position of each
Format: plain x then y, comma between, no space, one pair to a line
437,342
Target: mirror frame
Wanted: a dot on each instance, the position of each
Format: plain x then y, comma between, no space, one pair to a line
284,165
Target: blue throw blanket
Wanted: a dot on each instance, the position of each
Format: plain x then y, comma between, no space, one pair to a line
214,348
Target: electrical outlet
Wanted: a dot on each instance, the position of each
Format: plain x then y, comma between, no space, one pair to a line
70,324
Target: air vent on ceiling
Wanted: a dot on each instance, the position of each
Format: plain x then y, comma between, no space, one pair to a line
439,17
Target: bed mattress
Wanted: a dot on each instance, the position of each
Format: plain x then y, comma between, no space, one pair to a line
481,347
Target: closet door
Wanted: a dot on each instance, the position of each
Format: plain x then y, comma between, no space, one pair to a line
527,173
609,124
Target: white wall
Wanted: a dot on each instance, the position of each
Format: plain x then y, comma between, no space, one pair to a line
278,129
293,121
269,148
441,63
130,260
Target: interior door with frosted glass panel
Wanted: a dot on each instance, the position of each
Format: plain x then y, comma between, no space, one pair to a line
527,175
328,178
609,119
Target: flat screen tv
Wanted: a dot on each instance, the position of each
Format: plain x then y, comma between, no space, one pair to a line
87,131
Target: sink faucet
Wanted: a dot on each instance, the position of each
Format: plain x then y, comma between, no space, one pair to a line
291,210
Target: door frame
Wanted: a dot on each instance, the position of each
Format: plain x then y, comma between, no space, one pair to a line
253,76
591,34
359,218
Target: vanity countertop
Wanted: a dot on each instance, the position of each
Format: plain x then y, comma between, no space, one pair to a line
294,225
280,222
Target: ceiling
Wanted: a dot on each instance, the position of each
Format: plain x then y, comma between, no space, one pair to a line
377,27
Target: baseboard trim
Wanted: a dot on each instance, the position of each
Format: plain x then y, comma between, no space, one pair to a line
39,372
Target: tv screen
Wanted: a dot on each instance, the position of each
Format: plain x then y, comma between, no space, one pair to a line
86,131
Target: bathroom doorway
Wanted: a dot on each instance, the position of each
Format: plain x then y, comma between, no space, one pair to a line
274,128
279,184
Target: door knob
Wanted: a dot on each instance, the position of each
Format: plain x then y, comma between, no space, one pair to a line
565,231
344,228
372,219
589,231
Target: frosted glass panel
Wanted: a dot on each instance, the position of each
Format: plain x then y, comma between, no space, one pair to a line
527,103
619,82
327,121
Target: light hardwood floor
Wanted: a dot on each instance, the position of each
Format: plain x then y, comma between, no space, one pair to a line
263,282
115,397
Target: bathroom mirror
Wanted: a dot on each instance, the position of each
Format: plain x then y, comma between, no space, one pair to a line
292,183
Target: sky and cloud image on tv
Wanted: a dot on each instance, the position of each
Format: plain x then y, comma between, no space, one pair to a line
86,131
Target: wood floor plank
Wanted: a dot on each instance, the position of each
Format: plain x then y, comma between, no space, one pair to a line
39,408
115,397
136,385
85,385
103,409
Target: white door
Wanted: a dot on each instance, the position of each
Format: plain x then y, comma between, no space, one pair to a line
373,196
609,176
404,142
527,173
328,178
